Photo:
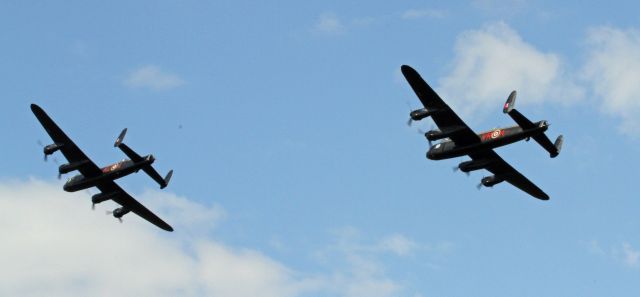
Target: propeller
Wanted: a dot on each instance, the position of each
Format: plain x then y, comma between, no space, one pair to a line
425,136
456,168
110,212
410,121
42,146
46,157
479,186
93,206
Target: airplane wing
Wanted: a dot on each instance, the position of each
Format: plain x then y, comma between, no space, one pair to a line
500,167
445,118
69,149
128,202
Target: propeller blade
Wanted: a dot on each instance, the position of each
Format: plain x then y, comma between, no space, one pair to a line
120,220
59,176
479,186
93,206
409,122
45,157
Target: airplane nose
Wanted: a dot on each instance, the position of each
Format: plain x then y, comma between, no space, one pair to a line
429,155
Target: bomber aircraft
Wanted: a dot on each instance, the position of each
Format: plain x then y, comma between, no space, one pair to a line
459,140
103,178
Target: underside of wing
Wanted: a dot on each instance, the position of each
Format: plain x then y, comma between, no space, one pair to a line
123,198
503,171
69,149
444,117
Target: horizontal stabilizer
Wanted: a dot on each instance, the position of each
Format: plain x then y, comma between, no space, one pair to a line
526,124
163,182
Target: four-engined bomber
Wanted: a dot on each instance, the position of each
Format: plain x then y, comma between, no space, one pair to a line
103,178
459,140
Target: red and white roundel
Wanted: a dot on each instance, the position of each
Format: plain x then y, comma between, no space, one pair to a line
495,134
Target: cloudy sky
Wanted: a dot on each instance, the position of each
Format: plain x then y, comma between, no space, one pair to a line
295,174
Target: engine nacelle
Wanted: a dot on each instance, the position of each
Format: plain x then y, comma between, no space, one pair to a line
120,211
52,148
422,113
472,165
440,134
66,168
490,181
102,197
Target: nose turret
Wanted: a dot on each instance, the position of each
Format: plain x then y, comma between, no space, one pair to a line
429,155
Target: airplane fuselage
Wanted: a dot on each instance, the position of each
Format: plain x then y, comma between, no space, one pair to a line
109,173
488,140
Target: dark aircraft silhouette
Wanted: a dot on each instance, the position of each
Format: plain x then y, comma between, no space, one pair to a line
102,178
460,140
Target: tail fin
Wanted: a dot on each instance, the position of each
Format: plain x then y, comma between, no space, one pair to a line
558,146
167,179
120,138
511,102
522,121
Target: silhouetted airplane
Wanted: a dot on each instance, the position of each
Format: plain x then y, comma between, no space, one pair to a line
102,178
460,140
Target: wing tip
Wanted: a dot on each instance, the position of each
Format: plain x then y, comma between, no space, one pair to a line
164,226
35,108
407,69
542,196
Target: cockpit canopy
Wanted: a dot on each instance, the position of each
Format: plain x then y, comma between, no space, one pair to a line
75,178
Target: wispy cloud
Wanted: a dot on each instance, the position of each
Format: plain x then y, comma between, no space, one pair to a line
492,61
623,253
398,244
613,68
423,13
154,78
329,23
630,255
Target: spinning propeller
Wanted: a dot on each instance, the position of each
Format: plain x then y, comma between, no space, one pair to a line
55,160
456,168
110,212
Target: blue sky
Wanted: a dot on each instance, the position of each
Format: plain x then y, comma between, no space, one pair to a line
295,174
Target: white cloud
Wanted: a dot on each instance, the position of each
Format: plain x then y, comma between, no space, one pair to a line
491,62
54,245
630,254
423,13
613,68
623,253
329,23
398,244
154,78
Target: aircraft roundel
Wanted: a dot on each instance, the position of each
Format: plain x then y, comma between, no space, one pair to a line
495,134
